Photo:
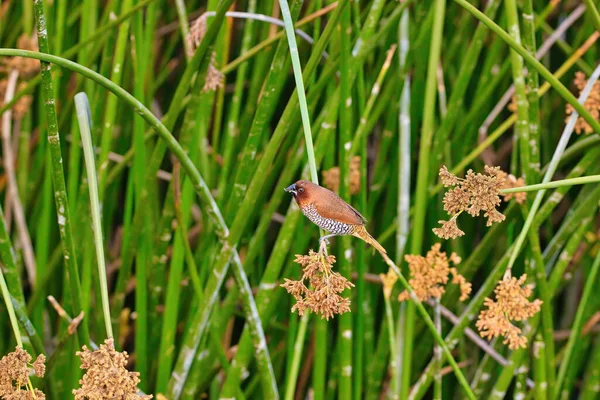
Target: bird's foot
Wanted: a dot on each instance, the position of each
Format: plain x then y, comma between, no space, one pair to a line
324,239
323,246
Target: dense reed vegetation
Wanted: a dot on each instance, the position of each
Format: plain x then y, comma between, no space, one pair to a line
145,148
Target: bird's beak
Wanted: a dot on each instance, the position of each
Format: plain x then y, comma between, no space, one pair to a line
291,189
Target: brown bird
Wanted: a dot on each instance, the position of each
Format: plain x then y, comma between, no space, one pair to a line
328,211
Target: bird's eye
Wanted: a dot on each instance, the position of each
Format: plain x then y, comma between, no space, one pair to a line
301,190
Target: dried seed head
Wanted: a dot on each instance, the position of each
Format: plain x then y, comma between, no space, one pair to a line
430,274
388,280
512,182
592,104
214,77
27,67
474,194
323,297
511,304
197,32
14,375
449,229
331,177
106,376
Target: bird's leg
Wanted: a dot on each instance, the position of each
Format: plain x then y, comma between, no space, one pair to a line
323,242
326,238
323,249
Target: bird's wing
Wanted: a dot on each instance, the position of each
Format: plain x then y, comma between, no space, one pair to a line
337,209
364,220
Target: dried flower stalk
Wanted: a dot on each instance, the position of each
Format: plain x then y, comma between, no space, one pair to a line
511,304
323,298
106,376
15,368
430,274
331,177
474,194
214,77
27,67
592,104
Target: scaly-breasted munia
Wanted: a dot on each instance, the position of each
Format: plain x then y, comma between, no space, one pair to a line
328,211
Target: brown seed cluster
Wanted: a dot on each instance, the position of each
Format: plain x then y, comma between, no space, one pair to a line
27,67
15,368
430,274
592,104
214,77
388,280
511,304
106,376
323,296
331,177
510,181
474,194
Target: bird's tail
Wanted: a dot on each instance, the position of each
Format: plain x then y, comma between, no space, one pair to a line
361,232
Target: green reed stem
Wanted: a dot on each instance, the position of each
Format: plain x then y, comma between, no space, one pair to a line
554,184
593,12
423,177
574,337
522,124
533,62
58,177
560,148
11,311
196,179
84,118
431,326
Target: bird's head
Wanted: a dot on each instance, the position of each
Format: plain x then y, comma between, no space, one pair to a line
301,191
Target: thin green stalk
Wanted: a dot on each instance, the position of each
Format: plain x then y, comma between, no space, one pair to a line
437,355
58,177
389,319
293,47
404,177
264,112
423,177
110,116
554,184
196,179
539,271
560,148
290,390
84,119
522,124
593,12
532,80
539,369
11,311
431,326
533,62
574,337
344,248
591,384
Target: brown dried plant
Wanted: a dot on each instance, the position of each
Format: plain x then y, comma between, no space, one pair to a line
430,274
106,376
214,77
511,304
473,194
323,296
388,280
15,368
331,177
27,67
592,104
